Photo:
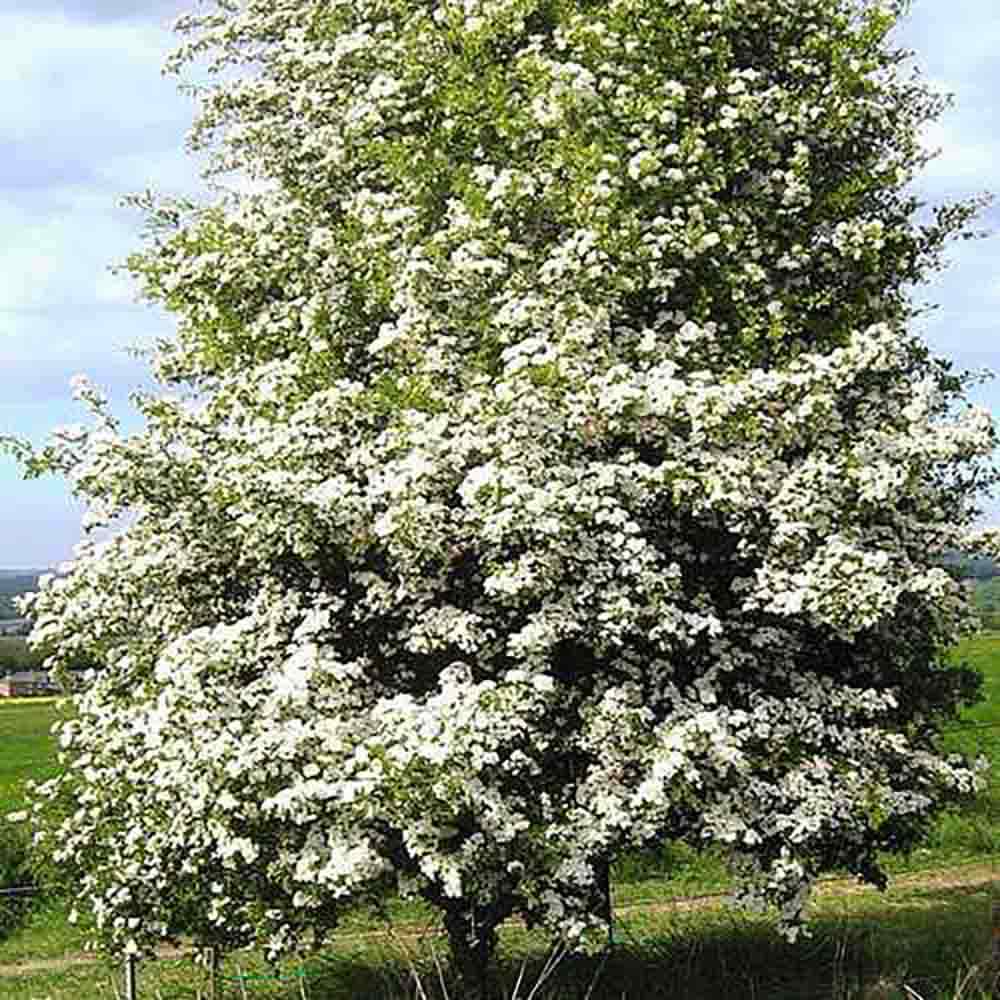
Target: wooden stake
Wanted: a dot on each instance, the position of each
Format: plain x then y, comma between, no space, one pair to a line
131,992
996,929
212,961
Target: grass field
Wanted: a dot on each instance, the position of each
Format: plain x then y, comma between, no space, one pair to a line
929,942
925,939
28,748
975,830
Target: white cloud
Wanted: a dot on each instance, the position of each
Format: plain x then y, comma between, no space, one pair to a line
87,118
958,57
101,11
47,256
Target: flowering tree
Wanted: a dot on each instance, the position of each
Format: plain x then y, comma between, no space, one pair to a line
543,470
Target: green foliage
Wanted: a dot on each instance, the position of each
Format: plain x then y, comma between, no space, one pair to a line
16,655
12,586
15,870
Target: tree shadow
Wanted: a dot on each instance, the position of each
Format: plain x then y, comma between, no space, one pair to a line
931,942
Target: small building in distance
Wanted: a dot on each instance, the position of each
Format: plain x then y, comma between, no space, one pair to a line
27,684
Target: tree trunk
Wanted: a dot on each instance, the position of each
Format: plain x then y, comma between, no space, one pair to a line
472,940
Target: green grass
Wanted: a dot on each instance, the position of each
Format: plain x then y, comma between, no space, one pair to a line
27,751
28,747
983,653
868,946
974,830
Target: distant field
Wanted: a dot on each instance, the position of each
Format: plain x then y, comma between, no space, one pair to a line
27,750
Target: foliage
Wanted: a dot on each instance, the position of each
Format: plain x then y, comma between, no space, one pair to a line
16,655
12,586
15,871
543,469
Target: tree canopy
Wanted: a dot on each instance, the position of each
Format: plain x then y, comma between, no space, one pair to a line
544,468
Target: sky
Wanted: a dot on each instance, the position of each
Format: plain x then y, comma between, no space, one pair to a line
87,118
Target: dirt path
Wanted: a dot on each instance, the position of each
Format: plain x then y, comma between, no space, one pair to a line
973,876
25,967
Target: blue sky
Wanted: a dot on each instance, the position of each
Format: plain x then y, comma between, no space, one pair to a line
87,118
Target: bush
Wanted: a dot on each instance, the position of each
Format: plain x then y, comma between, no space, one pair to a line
15,872
16,655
